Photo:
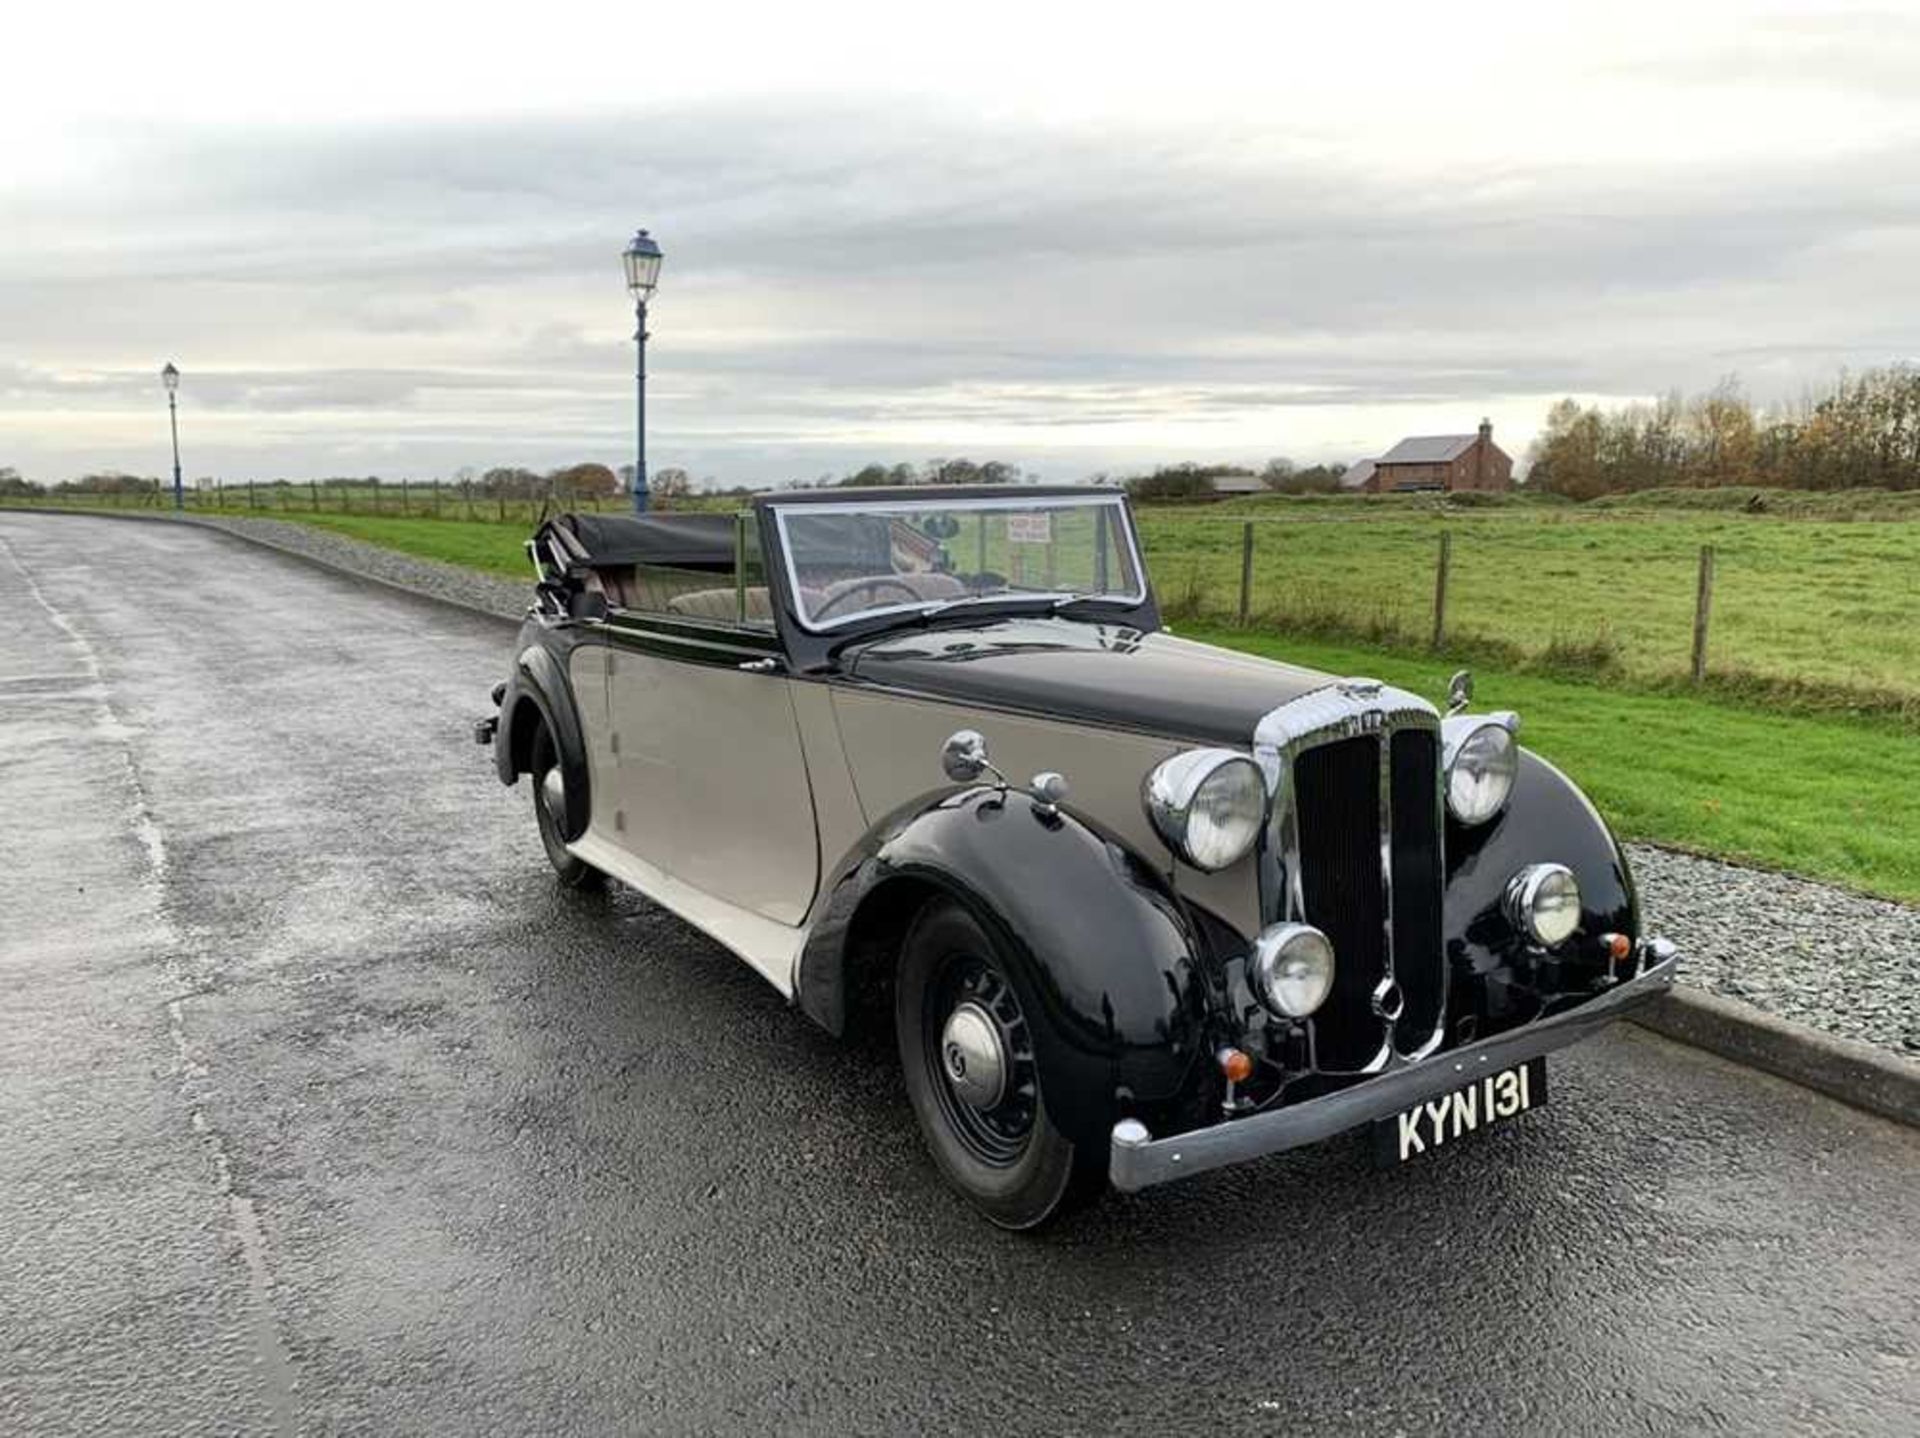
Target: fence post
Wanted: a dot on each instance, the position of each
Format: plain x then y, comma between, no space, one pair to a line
313,493
253,499
1702,612
1246,571
436,499
466,495
403,499
1440,575
503,505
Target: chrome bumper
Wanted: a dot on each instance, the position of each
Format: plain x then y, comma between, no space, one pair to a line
1138,1160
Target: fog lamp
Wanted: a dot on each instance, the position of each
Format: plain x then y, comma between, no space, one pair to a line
1543,902
1292,969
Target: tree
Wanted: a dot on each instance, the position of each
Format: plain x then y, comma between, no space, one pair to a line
12,486
671,482
110,482
1277,472
583,481
1314,479
1178,481
512,482
966,471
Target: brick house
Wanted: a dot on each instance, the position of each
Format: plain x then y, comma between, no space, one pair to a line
1436,461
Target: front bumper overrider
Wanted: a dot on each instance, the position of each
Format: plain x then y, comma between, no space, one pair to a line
1138,1160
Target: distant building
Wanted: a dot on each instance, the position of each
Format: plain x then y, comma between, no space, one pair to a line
1445,462
1231,484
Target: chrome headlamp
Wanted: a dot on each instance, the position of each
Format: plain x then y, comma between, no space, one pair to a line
1481,760
1207,805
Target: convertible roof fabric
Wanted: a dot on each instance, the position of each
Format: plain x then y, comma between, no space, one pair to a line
685,541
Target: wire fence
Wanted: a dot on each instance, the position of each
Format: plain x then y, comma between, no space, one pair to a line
1817,616
401,499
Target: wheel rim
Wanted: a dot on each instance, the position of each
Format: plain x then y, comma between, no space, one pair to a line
979,1056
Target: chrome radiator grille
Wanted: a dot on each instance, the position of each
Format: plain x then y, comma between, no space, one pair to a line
1354,848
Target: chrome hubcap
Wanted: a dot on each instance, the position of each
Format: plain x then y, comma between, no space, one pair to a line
553,793
974,1057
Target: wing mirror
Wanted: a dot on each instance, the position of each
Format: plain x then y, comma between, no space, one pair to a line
964,757
1459,692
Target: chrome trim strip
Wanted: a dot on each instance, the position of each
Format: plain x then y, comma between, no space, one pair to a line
1384,780
1137,1160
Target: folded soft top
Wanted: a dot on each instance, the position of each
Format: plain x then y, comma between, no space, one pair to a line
685,541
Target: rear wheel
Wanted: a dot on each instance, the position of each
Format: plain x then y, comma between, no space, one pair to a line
549,806
967,1051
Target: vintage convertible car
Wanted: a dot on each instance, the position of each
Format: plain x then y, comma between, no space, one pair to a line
1238,907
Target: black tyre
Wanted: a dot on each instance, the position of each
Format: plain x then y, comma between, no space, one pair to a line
967,1053
573,873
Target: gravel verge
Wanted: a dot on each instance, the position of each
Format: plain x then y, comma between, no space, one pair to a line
507,598
1799,950
1803,951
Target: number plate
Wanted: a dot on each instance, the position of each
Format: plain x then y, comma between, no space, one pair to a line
1439,1122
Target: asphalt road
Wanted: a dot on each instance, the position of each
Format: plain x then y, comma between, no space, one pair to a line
322,1110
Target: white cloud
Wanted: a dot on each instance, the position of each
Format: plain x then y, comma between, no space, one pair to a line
1068,236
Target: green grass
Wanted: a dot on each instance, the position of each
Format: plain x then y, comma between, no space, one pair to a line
1807,614
491,548
1830,799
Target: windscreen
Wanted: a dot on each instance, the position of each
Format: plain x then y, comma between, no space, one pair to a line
855,560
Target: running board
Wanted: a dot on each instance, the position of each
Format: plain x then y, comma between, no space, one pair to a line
769,948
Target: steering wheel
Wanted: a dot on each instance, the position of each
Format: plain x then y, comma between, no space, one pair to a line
864,586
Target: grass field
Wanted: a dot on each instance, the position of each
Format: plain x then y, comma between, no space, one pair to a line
1806,614
1829,798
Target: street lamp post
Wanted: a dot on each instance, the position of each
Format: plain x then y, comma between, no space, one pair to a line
170,377
642,259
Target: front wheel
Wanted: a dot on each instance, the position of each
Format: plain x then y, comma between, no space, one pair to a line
967,1053
549,805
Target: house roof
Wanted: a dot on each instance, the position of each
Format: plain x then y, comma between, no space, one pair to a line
1358,473
1429,449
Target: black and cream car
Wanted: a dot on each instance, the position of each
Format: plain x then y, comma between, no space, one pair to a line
1136,907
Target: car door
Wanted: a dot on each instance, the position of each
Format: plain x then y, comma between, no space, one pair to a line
709,782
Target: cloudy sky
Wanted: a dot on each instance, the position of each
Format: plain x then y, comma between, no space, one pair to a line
1077,237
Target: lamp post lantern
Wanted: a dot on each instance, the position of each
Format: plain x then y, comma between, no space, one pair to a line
642,259
170,377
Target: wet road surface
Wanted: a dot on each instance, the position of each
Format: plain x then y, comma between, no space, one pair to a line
323,1110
